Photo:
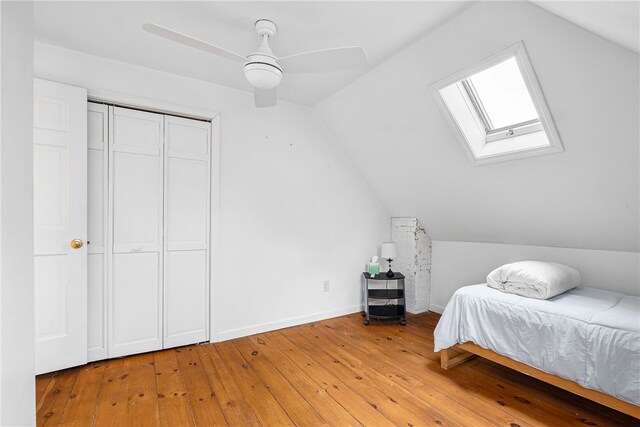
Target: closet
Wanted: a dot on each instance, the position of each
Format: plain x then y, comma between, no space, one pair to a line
121,229
148,229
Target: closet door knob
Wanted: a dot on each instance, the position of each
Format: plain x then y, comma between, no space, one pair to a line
76,243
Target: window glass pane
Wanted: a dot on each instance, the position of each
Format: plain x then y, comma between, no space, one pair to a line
504,95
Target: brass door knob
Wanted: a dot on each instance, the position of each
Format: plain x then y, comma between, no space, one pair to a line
76,243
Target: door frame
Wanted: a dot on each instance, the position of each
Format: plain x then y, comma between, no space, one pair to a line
164,107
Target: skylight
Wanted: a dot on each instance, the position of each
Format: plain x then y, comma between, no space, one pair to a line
503,94
497,109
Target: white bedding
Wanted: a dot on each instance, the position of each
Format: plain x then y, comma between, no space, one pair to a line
587,335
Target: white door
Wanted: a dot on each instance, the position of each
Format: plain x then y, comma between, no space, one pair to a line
60,222
98,134
186,272
136,211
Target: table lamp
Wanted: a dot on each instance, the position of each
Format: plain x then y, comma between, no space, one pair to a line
389,253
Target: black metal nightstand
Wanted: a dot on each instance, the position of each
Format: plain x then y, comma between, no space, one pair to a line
397,295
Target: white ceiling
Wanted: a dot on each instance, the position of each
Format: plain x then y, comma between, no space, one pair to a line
113,30
616,21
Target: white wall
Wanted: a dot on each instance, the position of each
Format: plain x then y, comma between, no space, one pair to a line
457,264
585,197
17,377
293,210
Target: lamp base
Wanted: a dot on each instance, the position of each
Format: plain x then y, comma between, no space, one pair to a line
389,273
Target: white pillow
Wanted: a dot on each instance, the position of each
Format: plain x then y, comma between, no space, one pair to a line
534,279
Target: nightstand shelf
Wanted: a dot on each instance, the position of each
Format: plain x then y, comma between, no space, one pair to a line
386,293
386,311
395,307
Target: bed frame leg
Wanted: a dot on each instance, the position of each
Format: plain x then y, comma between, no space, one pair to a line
448,362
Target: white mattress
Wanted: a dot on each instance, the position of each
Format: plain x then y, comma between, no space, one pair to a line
587,335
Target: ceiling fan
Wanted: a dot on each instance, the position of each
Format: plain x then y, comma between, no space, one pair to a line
263,69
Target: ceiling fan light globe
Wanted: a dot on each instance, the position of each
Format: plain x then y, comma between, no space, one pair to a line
262,76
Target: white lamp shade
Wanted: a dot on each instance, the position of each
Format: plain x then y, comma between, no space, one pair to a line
388,250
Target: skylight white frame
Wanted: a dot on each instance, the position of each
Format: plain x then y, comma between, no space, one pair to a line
481,148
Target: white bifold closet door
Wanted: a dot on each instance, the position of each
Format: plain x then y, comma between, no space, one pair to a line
186,249
98,185
159,215
136,193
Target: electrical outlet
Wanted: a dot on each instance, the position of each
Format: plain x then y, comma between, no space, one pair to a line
326,286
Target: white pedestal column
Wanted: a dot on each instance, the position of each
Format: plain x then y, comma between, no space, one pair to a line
414,261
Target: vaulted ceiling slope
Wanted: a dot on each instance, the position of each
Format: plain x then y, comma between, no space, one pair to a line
114,30
615,20
586,197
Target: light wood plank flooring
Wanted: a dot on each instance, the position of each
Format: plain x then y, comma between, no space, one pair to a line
335,372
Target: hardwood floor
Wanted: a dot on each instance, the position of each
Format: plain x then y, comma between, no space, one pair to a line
335,372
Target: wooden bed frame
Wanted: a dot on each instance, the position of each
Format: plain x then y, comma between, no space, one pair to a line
471,350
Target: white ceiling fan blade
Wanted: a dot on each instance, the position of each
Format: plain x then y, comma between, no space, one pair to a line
184,39
265,98
325,60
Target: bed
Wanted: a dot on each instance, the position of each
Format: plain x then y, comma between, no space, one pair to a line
588,339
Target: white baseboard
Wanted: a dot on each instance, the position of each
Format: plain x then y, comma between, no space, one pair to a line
285,323
436,308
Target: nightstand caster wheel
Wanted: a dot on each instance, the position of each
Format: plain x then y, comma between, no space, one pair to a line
403,322
363,314
366,322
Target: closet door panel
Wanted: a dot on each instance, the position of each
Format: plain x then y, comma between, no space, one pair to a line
187,204
96,339
95,206
188,137
97,115
186,285
137,131
137,196
186,305
136,303
136,165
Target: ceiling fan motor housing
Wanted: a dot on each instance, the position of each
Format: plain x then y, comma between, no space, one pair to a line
262,70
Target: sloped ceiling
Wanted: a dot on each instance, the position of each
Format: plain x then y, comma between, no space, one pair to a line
113,29
586,197
617,21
